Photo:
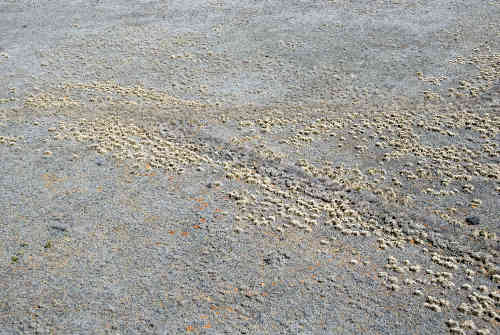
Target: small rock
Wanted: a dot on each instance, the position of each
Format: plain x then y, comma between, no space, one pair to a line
59,227
472,220
214,184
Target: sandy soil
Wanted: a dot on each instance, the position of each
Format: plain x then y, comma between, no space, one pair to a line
256,167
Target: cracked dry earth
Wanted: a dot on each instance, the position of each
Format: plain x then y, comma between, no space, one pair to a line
128,209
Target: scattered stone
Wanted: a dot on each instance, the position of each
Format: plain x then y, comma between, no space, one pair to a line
472,220
59,227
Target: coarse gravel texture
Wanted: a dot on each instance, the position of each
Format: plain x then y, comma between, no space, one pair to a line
250,167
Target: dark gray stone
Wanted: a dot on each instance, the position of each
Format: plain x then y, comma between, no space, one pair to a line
472,220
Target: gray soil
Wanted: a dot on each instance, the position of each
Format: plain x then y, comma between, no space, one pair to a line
250,167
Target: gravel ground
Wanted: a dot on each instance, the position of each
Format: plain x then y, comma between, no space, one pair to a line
230,167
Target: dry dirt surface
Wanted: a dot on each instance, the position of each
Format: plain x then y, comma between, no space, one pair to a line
250,167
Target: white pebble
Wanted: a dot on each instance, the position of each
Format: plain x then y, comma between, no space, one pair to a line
466,287
468,324
457,331
433,307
